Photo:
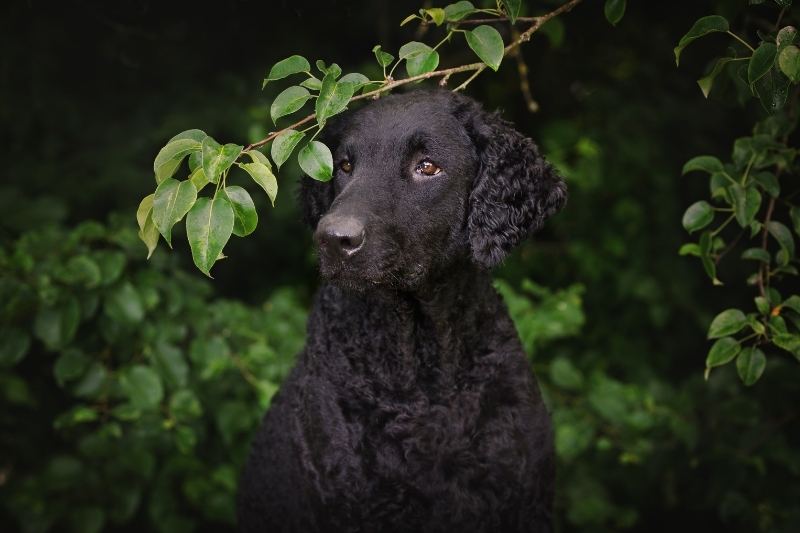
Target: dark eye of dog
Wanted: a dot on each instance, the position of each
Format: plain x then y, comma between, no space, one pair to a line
427,168
346,166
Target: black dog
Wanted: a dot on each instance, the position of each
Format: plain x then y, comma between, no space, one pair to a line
412,407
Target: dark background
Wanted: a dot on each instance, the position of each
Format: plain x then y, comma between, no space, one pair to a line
91,90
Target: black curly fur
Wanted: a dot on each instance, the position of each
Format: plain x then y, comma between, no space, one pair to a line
412,407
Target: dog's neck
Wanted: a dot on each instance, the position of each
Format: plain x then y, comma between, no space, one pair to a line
430,339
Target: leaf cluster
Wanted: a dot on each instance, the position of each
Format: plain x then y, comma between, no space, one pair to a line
754,191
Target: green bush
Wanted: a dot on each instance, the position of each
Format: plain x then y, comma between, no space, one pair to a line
129,394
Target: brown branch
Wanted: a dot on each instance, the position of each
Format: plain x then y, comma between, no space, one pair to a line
764,235
476,68
524,82
497,19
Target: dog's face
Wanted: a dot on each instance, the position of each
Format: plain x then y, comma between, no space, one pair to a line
422,180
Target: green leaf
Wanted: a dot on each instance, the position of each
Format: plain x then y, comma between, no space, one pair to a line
794,214
565,375
286,67
258,157
420,58
313,83
334,70
690,248
171,365
142,386
436,14
333,98
705,163
245,217
193,134
708,264
793,303
81,270
195,160
198,178
80,414
56,326
511,9
70,365
722,351
408,19
148,232
769,182
265,179
614,11
750,365
217,158
356,78
316,160
145,207
789,62
123,304
284,144
777,325
772,90
786,37
762,304
458,10
209,225
698,216
756,254
384,58
126,412
782,234
170,157
184,405
288,101
487,44
707,81
787,341
111,264
746,203
727,323
761,61
14,344
171,202
703,26
185,439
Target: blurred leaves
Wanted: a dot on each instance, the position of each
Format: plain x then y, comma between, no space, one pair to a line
133,406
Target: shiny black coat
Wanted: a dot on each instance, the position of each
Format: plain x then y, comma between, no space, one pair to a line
412,406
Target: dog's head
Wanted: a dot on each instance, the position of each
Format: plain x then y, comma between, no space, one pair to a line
422,180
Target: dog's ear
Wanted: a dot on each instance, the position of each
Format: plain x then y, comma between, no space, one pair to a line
316,197
515,190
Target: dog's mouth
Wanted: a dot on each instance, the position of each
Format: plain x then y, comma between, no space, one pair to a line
363,273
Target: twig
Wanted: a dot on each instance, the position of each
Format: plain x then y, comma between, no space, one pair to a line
524,82
730,247
476,68
498,19
764,235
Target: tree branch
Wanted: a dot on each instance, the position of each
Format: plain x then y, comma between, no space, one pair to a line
476,68
762,269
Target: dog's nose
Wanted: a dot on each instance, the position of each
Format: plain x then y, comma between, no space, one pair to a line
343,235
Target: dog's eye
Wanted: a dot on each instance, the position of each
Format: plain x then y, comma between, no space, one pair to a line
346,166
427,168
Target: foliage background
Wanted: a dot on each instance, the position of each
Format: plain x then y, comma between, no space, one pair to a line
128,390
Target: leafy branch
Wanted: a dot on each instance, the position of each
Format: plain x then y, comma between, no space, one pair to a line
230,210
770,72
388,84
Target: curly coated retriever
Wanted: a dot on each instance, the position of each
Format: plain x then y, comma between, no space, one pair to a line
412,407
